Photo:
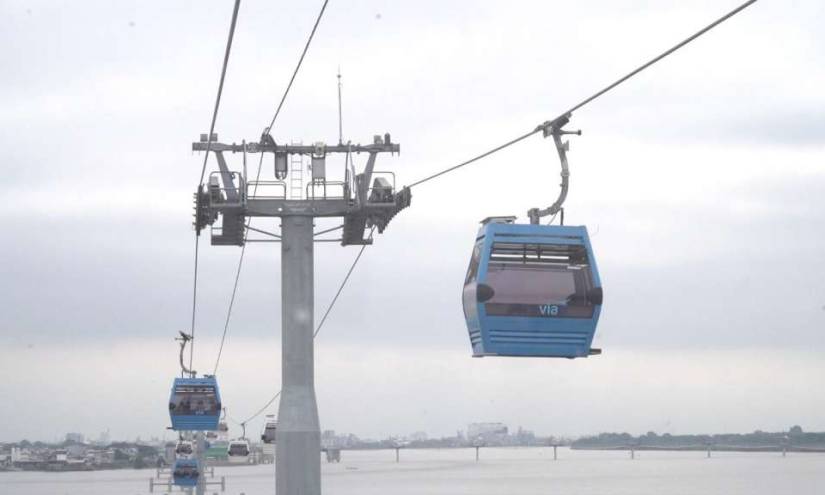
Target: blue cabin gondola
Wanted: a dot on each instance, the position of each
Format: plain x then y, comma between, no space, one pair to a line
195,404
532,290
186,472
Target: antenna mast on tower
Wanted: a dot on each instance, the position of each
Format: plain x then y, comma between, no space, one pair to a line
340,119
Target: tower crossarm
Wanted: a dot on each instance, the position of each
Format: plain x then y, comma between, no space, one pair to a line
301,149
368,200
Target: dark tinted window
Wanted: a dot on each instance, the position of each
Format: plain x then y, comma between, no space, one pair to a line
539,280
191,399
532,285
238,449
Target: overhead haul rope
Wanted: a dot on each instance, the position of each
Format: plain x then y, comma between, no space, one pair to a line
203,172
550,123
266,134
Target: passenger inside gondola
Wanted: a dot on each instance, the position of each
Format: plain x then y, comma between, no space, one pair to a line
184,449
190,400
186,471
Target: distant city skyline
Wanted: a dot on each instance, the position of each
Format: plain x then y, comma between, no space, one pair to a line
421,436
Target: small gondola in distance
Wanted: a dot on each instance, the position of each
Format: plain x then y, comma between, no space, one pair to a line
237,452
186,472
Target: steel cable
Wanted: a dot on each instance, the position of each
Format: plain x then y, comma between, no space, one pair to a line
587,100
228,50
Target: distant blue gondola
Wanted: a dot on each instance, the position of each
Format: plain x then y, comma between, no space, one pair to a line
195,404
185,472
532,290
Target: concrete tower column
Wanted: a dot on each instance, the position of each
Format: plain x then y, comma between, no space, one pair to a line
298,447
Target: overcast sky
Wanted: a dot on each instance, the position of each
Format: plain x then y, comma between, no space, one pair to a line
702,182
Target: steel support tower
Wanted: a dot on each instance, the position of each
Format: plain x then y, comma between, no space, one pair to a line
298,445
363,201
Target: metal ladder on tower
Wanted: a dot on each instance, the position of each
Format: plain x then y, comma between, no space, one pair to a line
296,174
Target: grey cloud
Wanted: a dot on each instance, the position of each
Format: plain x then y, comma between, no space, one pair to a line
777,124
741,269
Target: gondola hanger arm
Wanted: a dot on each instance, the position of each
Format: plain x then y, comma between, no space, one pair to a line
184,339
555,128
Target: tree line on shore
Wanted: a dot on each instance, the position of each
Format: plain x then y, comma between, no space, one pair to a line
792,439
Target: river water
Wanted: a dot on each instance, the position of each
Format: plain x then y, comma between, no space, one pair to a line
510,471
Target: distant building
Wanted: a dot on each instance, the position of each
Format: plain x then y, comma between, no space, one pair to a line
329,439
525,437
77,450
487,433
75,437
418,436
59,456
104,438
100,456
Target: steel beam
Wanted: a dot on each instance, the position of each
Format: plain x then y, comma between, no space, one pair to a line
298,207
299,149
